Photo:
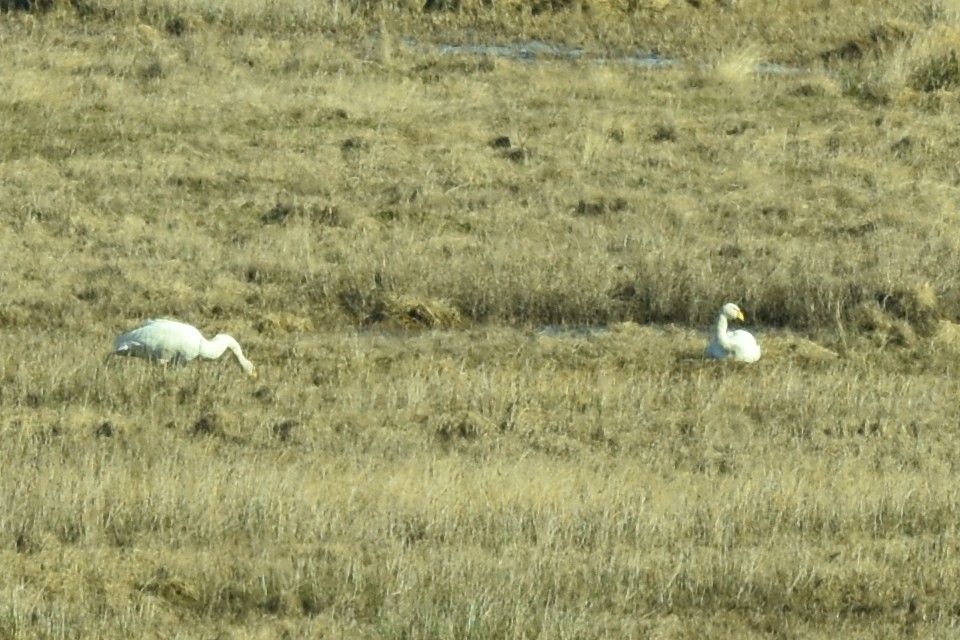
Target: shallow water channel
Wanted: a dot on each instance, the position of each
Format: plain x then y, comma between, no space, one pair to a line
540,51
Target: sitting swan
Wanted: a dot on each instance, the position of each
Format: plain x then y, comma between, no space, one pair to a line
167,340
739,344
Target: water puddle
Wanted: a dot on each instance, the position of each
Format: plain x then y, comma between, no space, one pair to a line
539,51
571,332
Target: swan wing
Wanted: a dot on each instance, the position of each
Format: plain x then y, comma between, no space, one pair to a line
129,344
745,347
161,340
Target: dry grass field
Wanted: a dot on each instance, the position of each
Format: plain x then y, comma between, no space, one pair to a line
477,289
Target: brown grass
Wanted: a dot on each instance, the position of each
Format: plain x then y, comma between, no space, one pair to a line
477,290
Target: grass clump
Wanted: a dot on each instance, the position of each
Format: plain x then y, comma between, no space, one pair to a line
405,311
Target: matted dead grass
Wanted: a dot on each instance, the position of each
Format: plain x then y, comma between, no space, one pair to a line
379,485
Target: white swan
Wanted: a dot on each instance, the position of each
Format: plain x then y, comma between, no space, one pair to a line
167,340
739,344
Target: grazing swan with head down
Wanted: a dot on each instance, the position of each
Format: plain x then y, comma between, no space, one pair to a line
167,340
738,344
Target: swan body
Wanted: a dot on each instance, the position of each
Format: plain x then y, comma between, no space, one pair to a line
164,341
738,344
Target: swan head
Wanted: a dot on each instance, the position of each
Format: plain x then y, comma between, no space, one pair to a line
214,348
247,366
732,312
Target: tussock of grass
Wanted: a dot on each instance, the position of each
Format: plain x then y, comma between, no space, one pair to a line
405,311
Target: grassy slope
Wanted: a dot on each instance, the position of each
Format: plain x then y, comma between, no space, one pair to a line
288,180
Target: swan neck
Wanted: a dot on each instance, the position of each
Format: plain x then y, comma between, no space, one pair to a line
213,349
723,338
